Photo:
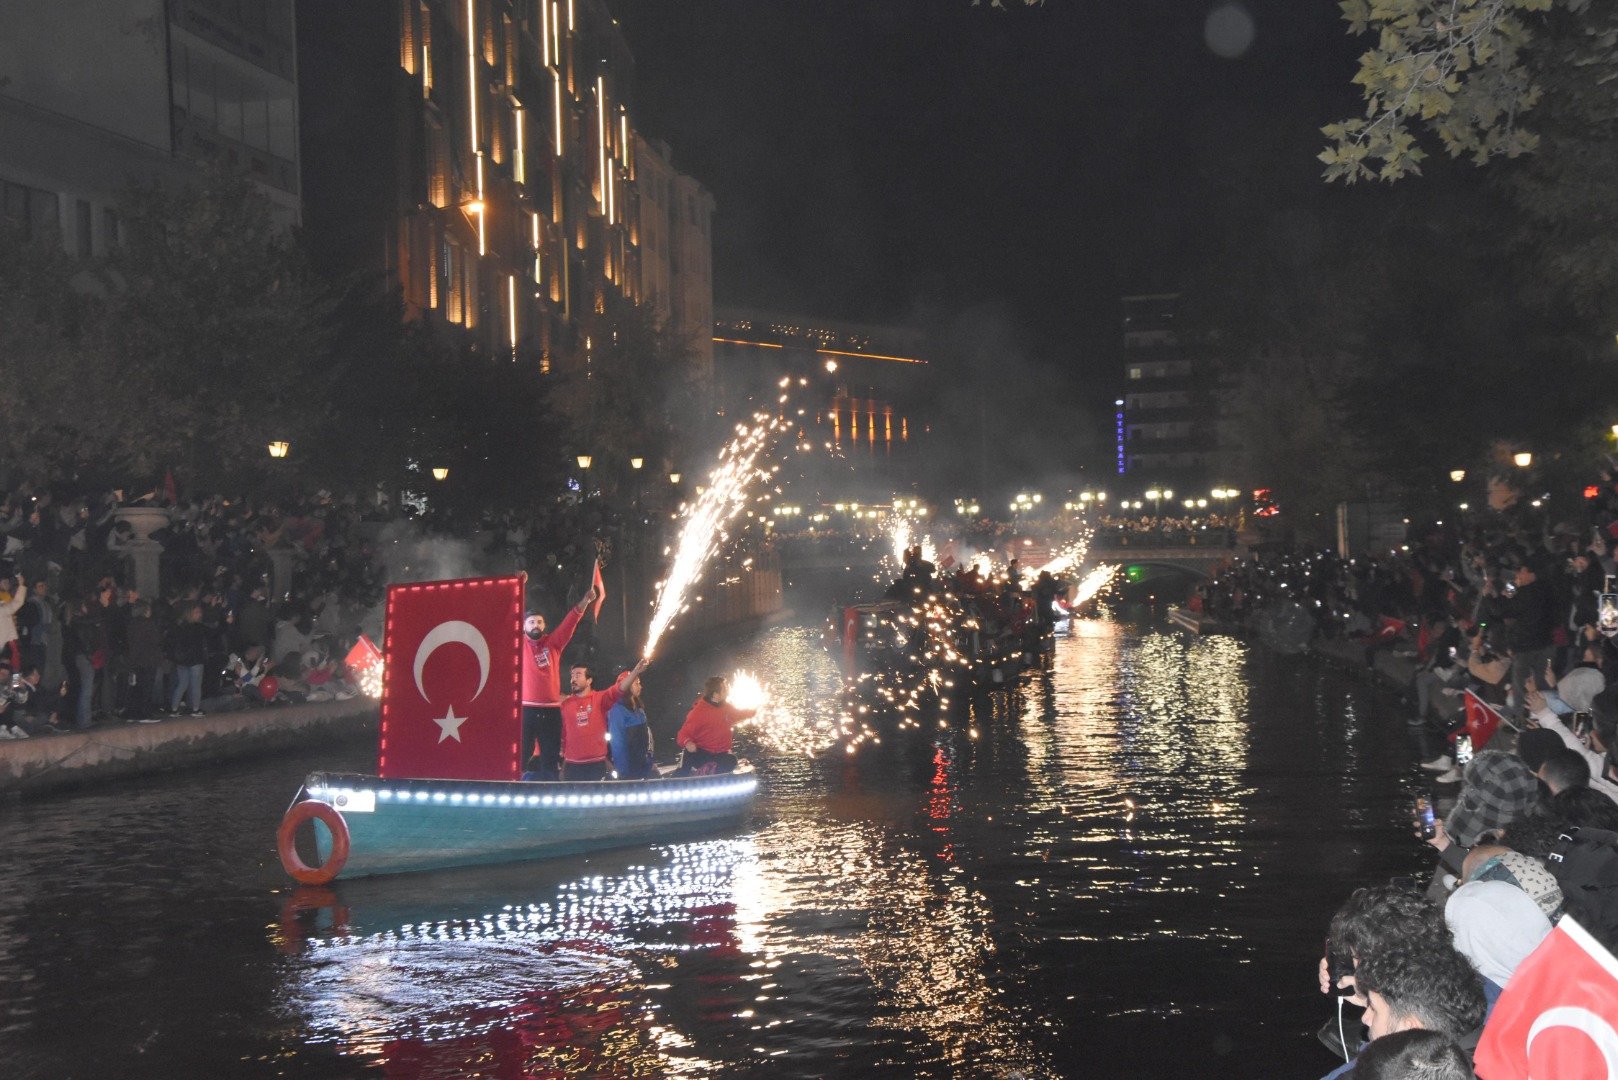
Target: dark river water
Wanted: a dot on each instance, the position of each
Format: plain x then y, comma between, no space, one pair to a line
1127,874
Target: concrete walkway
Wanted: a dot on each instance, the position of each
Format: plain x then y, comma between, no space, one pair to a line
47,763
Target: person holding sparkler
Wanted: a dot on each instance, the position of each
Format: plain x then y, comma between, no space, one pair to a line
584,722
706,734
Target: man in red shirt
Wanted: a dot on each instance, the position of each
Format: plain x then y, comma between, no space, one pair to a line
705,736
584,722
542,690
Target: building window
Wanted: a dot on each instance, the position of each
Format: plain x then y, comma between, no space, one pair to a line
83,241
409,46
438,164
109,228
455,307
32,210
425,32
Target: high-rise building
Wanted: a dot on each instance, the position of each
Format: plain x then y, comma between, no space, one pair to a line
1174,422
676,249
98,93
478,157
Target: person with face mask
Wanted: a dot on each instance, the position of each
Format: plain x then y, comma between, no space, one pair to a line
542,690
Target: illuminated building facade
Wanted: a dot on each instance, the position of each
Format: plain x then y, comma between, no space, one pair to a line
676,249
1176,421
98,93
477,157
868,386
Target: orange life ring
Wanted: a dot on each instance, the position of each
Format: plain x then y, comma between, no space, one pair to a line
312,810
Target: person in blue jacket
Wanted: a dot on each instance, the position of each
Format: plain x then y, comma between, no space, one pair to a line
629,740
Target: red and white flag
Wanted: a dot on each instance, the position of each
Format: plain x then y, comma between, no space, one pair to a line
452,680
601,591
1482,720
1556,1019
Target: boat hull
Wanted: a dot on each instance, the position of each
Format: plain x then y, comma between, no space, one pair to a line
406,826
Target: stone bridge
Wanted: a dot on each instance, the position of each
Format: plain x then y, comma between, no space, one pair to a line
1202,560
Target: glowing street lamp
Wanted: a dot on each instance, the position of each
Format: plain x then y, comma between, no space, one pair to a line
584,461
1457,475
440,473
636,462
279,448
674,478
1522,460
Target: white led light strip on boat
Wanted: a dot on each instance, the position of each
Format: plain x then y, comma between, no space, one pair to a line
349,796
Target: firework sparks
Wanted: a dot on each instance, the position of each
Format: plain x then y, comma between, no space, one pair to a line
1092,583
1068,556
703,529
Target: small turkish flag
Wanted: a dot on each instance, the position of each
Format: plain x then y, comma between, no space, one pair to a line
1555,1019
1482,721
601,591
452,680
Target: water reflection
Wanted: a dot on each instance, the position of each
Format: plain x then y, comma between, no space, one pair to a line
1141,844
716,944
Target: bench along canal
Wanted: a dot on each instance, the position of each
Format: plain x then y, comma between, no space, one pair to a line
1127,874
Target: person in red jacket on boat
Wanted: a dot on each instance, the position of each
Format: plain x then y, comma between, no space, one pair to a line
705,736
584,722
542,690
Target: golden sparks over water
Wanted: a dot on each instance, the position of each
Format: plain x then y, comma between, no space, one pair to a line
702,531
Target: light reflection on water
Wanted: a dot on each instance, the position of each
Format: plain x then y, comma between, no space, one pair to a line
1103,884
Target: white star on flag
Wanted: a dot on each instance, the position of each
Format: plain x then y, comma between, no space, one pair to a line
450,725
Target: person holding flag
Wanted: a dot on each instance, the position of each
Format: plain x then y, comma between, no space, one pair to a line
542,690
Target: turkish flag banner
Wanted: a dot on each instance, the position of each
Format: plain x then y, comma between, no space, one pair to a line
1555,1019
452,682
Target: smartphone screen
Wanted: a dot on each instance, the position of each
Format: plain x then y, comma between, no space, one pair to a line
1425,815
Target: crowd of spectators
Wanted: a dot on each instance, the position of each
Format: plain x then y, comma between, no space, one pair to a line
1151,530
1523,846
1518,616
80,645
261,599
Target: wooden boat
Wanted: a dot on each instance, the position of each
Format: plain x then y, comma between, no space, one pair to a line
369,825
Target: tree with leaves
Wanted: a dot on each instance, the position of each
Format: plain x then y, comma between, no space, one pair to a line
1468,73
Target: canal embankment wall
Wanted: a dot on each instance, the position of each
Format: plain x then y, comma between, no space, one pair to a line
48,763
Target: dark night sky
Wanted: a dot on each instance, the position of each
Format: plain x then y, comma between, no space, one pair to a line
876,159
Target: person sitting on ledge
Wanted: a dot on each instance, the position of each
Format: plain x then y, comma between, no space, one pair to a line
706,734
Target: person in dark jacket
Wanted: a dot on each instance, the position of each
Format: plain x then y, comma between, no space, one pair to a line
86,642
188,649
143,642
1532,616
